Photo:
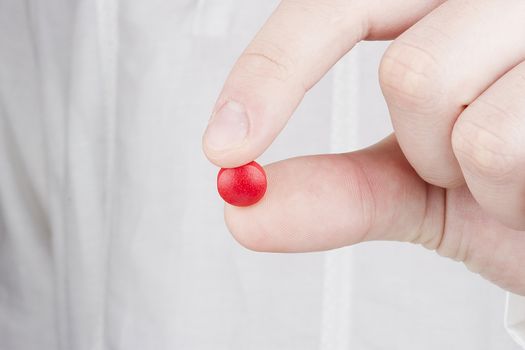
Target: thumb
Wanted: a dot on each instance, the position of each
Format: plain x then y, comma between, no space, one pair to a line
329,201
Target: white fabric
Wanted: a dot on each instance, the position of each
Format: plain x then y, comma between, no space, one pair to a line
515,318
111,232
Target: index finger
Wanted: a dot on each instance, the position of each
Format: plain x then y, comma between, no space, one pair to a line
294,49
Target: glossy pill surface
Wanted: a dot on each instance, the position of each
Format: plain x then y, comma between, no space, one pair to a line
242,186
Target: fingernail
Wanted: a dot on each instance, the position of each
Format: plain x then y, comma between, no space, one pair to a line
228,127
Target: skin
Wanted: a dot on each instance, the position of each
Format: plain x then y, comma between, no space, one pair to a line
451,178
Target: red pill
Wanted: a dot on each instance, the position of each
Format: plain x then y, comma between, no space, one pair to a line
242,186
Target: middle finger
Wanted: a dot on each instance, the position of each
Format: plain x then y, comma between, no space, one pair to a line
439,66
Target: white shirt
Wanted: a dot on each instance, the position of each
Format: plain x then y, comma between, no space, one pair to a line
111,231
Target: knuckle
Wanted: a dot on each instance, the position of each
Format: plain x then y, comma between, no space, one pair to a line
408,75
266,60
483,150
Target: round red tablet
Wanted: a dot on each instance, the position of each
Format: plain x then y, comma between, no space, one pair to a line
242,186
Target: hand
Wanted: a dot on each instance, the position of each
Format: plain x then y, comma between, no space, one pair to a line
453,176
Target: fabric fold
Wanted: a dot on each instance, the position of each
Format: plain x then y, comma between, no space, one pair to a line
515,318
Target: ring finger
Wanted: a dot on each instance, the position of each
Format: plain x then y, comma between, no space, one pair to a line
489,143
